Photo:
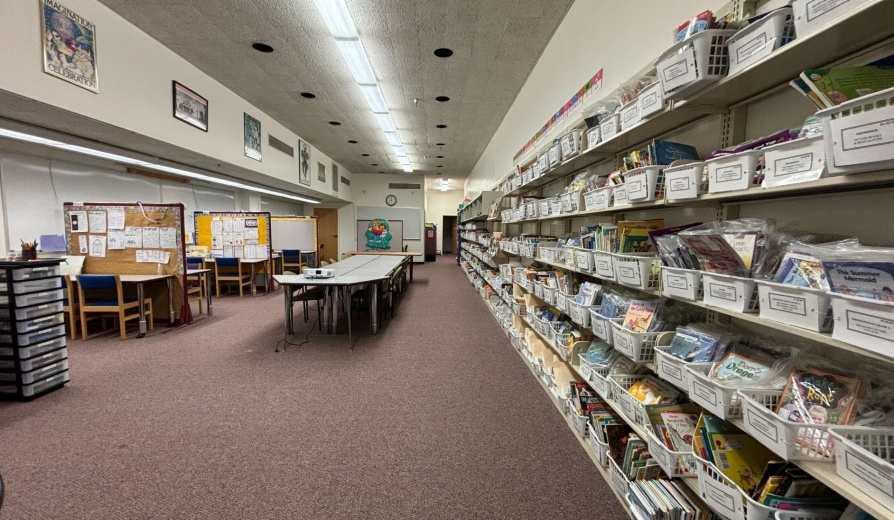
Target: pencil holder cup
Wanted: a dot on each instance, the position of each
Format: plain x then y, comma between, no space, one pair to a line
29,254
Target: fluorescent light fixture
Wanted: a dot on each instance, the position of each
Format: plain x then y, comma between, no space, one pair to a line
404,161
408,169
354,55
337,18
399,151
374,98
385,122
393,138
19,136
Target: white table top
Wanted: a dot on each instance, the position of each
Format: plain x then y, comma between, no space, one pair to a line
350,271
196,272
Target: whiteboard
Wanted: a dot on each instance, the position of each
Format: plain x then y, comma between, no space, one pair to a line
395,227
411,217
293,233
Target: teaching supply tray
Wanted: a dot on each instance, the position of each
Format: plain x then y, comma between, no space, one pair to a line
675,464
727,499
671,368
682,283
868,324
599,199
645,184
758,40
802,307
720,400
602,326
865,457
790,440
638,270
793,162
685,182
638,346
857,134
733,293
604,265
694,63
732,172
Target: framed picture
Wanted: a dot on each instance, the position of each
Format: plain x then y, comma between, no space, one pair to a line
69,45
303,163
252,137
321,172
335,177
190,107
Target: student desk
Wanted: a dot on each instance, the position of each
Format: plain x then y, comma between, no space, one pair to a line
406,254
140,280
252,262
198,274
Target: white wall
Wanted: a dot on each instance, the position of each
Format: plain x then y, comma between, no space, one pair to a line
437,205
281,207
135,91
371,190
620,37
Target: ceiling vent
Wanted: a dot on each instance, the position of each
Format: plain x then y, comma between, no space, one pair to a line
346,181
281,146
403,186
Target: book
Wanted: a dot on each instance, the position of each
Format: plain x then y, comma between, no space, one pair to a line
633,235
736,365
651,390
715,254
815,397
740,457
839,85
801,86
692,346
802,270
639,315
681,428
872,280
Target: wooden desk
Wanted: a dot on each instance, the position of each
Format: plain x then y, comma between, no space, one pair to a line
407,254
253,262
207,273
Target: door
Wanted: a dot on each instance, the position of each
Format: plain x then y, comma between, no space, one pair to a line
327,233
448,234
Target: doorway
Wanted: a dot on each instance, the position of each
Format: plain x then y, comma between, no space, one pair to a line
327,233
448,235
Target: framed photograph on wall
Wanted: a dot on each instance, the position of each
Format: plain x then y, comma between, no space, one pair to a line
252,137
69,45
303,163
335,177
321,172
190,107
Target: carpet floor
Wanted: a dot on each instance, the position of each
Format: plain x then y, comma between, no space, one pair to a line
434,417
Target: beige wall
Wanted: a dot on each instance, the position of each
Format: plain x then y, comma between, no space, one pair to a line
370,190
438,204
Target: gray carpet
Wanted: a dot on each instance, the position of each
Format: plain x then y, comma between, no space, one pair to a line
435,417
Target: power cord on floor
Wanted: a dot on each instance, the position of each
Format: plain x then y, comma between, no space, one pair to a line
285,341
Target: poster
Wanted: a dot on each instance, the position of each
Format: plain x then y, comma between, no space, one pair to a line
190,107
252,137
335,177
321,172
151,237
116,239
69,45
133,237
97,244
168,238
116,217
97,221
78,222
82,244
303,163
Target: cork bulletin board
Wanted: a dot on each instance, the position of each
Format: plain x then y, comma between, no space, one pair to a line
132,238
236,234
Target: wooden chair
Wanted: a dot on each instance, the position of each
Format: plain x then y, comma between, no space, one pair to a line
94,291
71,308
195,291
291,260
229,270
323,263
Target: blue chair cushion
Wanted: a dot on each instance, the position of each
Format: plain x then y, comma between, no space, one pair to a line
109,303
227,262
97,281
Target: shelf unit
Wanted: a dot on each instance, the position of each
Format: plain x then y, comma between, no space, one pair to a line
860,36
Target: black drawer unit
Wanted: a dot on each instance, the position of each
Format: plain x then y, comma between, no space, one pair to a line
33,357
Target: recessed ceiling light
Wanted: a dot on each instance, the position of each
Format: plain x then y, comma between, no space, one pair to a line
439,157
352,141
439,166
373,164
381,172
334,123
439,173
440,126
439,144
308,95
261,47
443,52
442,98
364,155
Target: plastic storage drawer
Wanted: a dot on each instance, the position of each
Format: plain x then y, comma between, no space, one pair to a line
33,338
38,387
27,365
29,286
29,273
34,311
34,376
37,298
33,324
34,350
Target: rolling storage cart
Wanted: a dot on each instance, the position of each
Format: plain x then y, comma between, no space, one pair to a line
33,356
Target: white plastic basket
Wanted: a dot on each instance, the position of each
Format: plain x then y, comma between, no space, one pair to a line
543,162
584,260
579,421
813,514
719,400
601,326
694,63
727,499
676,464
802,307
630,115
790,440
543,207
555,207
598,199
538,289
571,201
868,324
758,40
619,196
555,155
732,172
793,162
644,184
599,448
858,134
671,368
602,385
547,254
651,100
549,295
604,265
562,300
593,137
570,144
865,458
618,479
632,407
685,182
636,270
681,283
610,127
733,293
532,210
638,346
580,314
810,15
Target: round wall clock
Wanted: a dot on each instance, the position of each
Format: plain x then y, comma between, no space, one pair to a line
391,200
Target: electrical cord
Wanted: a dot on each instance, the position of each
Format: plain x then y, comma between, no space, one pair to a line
285,341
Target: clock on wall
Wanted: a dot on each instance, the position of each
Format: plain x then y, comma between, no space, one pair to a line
391,200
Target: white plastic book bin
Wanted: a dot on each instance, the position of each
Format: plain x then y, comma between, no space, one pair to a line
562,301
651,100
681,283
584,259
802,307
630,115
671,368
598,199
810,15
580,314
719,400
790,440
527,176
725,498
532,210
571,201
610,127
555,155
733,293
549,295
644,184
516,183
635,270
599,447
793,162
732,172
538,289
863,457
868,324
547,254
758,40
604,265
857,134
631,406
518,214
554,327
676,464
618,479
601,326
543,162
593,137
685,182
694,63
619,197
570,144
555,207
813,514
543,208
638,346
561,343
579,421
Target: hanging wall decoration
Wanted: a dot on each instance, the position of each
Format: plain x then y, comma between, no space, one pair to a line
190,107
304,163
378,234
252,137
335,177
69,45
321,172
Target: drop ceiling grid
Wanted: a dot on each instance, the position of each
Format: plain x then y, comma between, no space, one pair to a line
496,45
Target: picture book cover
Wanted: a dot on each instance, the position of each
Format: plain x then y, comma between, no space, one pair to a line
816,397
802,270
838,85
617,436
872,280
633,235
666,152
737,366
651,390
740,457
692,346
715,254
639,315
681,428
744,244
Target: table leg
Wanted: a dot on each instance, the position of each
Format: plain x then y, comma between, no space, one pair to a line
347,292
334,307
411,269
171,319
254,290
141,297
327,319
374,307
208,294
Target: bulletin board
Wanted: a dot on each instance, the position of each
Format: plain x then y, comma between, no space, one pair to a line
293,232
235,234
132,238
397,235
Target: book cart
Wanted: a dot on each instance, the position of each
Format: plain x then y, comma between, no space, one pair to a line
852,198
